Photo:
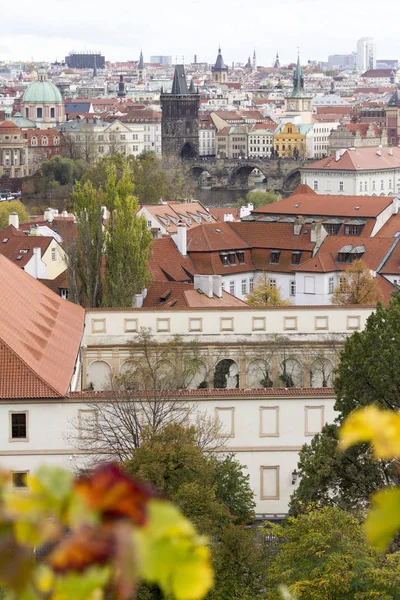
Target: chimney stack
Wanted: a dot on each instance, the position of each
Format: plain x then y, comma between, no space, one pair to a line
13,219
180,238
37,254
205,283
298,224
318,234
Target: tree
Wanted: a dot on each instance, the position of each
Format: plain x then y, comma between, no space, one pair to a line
6,208
84,255
368,373
146,395
357,286
61,170
128,243
259,198
324,555
266,294
172,460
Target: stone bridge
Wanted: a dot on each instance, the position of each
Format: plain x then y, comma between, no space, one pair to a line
281,174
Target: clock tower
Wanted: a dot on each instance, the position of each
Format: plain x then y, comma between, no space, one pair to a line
298,104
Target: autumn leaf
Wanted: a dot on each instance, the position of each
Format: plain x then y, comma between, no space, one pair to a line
84,547
383,520
114,494
370,424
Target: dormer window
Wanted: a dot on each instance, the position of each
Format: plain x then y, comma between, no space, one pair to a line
232,258
224,259
240,257
275,255
296,257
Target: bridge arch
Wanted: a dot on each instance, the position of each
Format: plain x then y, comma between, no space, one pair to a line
292,180
239,176
201,175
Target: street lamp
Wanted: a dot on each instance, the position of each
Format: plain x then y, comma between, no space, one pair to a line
294,476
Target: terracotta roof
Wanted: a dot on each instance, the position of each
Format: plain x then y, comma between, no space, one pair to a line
170,213
386,288
391,227
8,127
167,263
327,206
274,235
377,73
204,393
167,294
57,284
19,249
40,335
219,212
392,264
214,236
360,159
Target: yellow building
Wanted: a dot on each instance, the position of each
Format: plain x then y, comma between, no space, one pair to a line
290,142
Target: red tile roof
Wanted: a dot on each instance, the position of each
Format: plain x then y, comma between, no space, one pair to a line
8,127
360,159
214,236
274,235
40,335
167,294
207,393
391,227
22,246
167,263
327,206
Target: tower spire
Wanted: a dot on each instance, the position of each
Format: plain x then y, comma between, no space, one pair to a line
298,80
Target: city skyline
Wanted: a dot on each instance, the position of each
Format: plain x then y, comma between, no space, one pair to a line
284,28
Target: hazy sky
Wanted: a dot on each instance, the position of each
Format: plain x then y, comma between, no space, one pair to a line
49,29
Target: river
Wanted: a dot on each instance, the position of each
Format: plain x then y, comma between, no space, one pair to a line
223,197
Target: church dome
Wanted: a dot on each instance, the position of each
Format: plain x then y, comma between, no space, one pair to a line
42,90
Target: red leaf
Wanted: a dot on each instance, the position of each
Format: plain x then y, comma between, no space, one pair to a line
85,547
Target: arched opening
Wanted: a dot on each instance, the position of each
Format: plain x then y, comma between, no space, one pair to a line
291,373
321,373
226,374
292,181
258,375
201,176
98,375
245,176
188,151
195,375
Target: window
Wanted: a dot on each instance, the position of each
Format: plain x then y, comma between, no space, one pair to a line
56,141
224,259
251,284
360,186
365,186
39,113
44,140
52,113
331,284
296,257
53,254
244,286
382,184
18,426
331,229
292,287
351,230
232,258
240,256
33,141
272,283
316,186
122,136
275,254
342,284
19,479
341,186
64,294
101,149
27,113
100,138
232,287
148,223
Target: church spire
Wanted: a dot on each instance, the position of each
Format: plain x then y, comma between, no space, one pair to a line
277,64
191,87
254,63
141,63
298,81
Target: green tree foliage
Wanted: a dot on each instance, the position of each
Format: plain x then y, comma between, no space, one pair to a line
266,294
324,555
368,373
84,255
259,198
62,171
128,242
153,180
216,495
6,208
358,286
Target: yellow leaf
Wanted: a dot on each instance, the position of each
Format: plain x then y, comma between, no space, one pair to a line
370,424
383,520
44,579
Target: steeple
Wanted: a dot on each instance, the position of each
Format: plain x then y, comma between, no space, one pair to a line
219,70
277,64
140,63
298,81
191,87
179,85
254,63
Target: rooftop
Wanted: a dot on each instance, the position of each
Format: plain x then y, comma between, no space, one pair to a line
359,159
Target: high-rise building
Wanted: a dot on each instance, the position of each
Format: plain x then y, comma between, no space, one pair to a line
366,54
342,61
85,60
161,60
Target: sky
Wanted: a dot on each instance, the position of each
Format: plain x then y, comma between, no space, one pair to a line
46,30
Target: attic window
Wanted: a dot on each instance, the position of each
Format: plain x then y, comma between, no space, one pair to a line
19,257
275,255
5,240
296,257
224,259
24,251
232,258
240,256
296,205
357,207
218,231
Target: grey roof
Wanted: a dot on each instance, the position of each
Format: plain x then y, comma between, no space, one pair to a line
179,85
298,82
219,63
77,107
358,250
345,249
395,98
356,222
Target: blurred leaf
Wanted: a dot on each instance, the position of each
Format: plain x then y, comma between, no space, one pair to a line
82,548
16,561
381,427
383,520
172,555
125,560
82,586
114,494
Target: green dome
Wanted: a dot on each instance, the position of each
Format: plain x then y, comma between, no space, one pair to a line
42,91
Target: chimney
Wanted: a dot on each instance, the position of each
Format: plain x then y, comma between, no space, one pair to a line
298,224
138,301
48,215
205,284
337,158
217,285
390,151
378,152
37,259
318,234
180,238
13,219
